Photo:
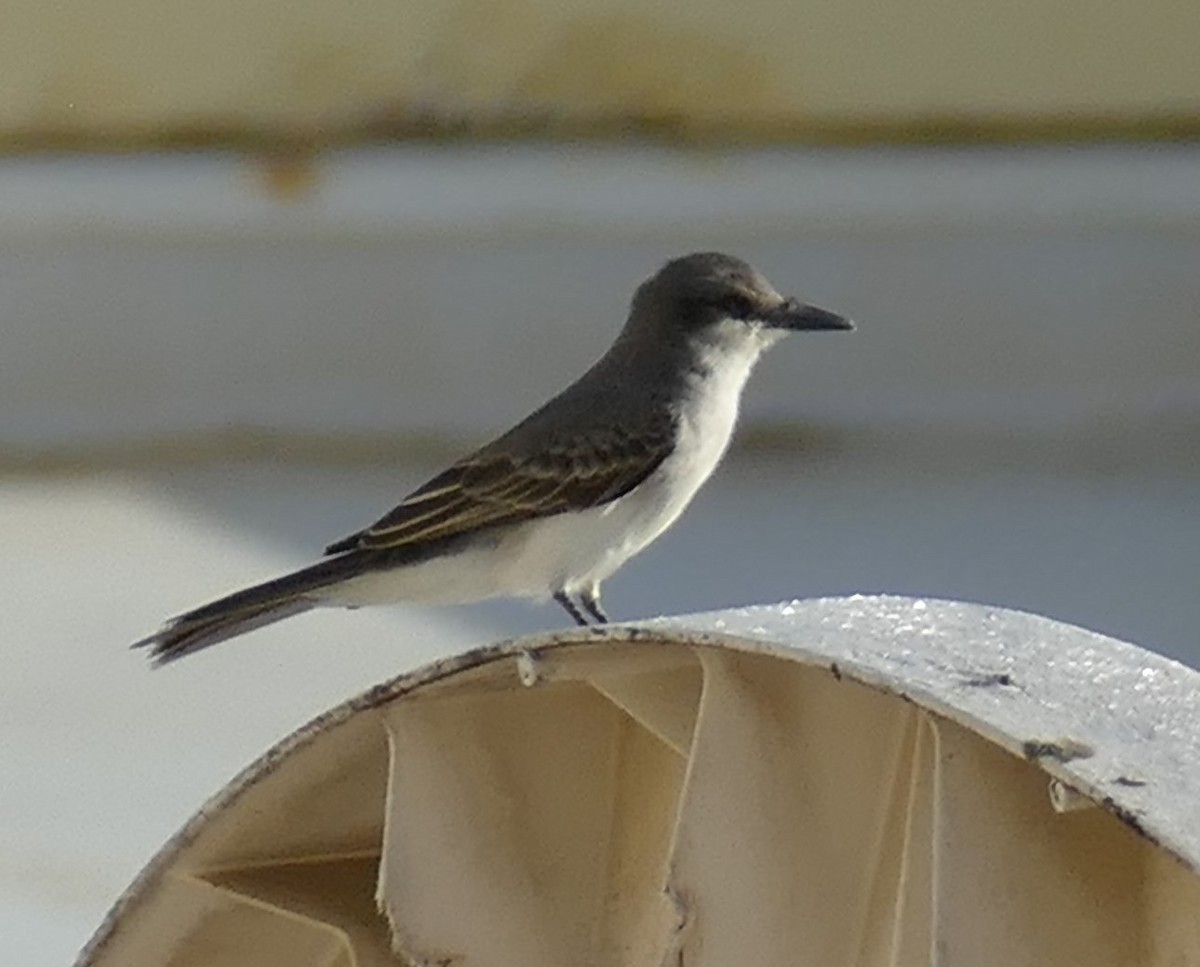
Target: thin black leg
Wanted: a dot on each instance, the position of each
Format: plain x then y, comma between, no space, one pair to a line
591,601
569,606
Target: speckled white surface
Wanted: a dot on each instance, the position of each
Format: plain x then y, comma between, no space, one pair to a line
1020,680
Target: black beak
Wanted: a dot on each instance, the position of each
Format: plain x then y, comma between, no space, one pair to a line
795,316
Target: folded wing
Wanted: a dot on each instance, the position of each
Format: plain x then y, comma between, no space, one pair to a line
493,488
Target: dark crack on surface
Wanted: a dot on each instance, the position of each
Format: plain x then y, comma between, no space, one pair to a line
1060,750
1129,818
990,680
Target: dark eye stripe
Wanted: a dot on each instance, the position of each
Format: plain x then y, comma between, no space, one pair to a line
738,306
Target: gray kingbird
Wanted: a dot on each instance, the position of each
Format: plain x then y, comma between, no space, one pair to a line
568,495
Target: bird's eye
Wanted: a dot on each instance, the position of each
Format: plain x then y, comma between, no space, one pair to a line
738,306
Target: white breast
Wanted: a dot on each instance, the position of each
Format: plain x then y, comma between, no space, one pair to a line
605,538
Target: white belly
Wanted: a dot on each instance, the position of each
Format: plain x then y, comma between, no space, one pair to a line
573,551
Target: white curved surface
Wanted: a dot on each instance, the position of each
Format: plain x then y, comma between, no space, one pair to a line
1026,682
710,787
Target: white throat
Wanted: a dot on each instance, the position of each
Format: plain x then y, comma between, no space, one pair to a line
725,355
708,408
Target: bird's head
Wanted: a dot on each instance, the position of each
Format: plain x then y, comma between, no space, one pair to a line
708,295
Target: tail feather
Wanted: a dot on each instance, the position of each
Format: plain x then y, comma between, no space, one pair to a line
245,610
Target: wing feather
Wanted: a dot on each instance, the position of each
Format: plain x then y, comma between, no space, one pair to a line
492,488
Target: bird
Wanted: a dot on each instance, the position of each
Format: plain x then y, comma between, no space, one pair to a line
557,504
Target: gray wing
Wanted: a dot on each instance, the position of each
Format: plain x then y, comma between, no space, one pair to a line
492,488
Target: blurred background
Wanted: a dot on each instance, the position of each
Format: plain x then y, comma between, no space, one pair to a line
265,266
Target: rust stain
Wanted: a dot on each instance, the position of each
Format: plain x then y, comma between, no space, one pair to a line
288,177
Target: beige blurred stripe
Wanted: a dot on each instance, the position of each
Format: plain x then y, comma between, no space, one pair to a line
162,71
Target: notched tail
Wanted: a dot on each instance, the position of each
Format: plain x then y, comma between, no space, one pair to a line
245,610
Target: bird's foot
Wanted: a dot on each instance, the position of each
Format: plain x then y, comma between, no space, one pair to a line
586,611
591,603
